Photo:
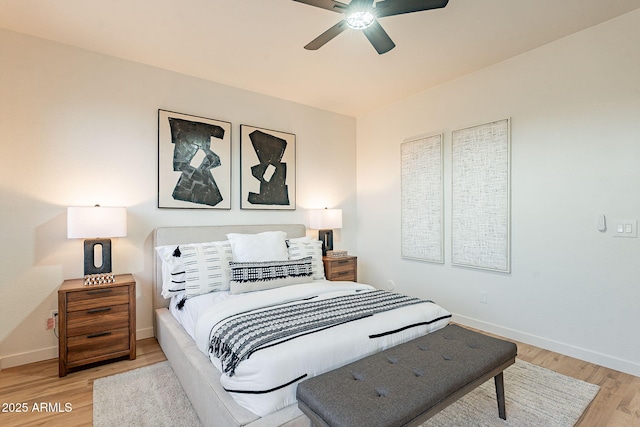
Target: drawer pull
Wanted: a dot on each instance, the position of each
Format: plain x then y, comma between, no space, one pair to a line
343,273
98,310
101,334
343,262
99,291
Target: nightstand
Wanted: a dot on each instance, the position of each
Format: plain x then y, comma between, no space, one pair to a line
343,268
96,322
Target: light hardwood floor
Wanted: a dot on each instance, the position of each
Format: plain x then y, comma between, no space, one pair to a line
617,403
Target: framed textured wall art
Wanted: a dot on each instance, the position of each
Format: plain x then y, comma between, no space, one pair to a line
422,199
267,169
194,162
481,196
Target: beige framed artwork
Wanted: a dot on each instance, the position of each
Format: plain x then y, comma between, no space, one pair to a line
422,199
481,196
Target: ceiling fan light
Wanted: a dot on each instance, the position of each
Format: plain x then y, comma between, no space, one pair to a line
360,20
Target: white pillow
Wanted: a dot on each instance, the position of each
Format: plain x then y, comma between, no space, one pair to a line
173,281
206,268
300,239
213,256
267,246
299,249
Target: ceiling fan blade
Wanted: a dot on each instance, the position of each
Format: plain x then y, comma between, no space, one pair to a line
360,3
327,36
398,7
332,5
379,38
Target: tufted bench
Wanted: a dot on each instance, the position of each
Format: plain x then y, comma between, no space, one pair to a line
407,384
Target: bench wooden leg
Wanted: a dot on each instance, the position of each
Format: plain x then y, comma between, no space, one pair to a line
499,380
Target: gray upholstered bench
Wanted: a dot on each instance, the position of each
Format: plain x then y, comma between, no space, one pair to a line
407,384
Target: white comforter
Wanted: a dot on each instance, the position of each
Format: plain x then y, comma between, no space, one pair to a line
260,382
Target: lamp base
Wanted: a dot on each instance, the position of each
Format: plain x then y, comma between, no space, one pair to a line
326,237
90,246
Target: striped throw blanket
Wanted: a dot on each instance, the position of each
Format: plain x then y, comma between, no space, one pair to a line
237,337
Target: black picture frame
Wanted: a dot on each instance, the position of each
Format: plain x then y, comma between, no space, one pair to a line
267,169
194,162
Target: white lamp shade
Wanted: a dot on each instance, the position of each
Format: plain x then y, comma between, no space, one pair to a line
96,221
325,219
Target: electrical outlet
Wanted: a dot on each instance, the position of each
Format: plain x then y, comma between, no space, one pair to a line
483,297
52,321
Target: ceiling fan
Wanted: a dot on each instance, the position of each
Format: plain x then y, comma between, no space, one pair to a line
363,15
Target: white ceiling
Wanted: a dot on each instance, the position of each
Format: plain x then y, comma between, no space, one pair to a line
258,44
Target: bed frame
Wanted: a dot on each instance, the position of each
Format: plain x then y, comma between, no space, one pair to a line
197,375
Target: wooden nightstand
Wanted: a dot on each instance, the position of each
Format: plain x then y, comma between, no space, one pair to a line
344,268
96,323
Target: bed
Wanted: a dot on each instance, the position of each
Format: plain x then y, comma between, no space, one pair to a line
202,380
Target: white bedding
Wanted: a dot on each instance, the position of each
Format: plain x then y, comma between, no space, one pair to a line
260,382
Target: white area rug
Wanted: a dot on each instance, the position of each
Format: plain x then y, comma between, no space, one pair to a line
149,396
535,397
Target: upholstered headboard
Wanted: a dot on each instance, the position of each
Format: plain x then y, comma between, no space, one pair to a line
197,234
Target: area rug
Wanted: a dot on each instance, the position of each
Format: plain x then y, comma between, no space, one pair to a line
535,396
149,396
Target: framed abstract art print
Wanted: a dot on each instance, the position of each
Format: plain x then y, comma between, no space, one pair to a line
194,162
267,169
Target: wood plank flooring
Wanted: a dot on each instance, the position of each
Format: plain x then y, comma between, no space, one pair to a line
617,403
38,383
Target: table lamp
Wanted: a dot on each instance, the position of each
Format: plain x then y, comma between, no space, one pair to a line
325,220
96,224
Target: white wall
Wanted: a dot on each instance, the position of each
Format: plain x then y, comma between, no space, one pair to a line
575,111
79,128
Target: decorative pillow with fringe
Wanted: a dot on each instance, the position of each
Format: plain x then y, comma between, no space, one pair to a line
258,276
207,269
299,249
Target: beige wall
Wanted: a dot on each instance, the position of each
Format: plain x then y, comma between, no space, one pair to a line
575,111
79,128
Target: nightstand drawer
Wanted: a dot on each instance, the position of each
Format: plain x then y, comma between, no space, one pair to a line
97,319
97,344
347,275
343,264
97,297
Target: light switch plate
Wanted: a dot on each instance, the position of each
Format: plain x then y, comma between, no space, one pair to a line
625,228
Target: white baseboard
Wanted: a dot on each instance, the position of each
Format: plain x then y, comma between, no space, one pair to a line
608,361
28,357
52,352
145,333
